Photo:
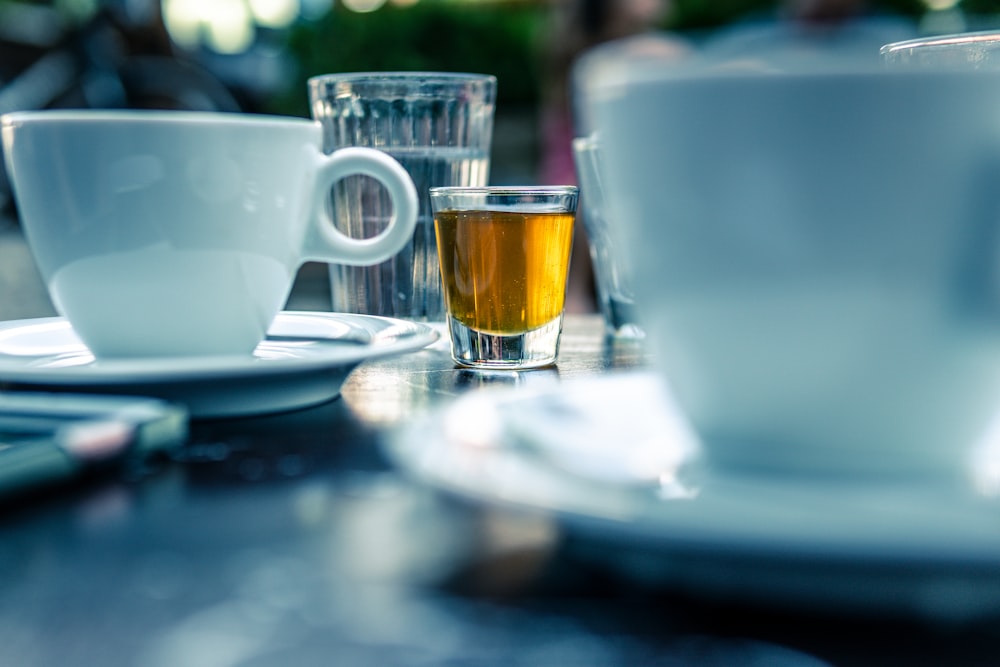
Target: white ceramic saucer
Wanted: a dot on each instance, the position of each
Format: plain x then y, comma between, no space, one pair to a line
612,461
304,361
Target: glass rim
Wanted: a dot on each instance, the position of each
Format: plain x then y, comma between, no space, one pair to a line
400,76
501,190
956,39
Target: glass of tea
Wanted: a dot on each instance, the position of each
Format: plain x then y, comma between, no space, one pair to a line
504,255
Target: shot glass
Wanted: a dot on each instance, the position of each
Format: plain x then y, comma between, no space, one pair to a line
504,254
439,126
612,269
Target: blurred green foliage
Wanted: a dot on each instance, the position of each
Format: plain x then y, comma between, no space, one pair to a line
694,15
502,40
706,14
980,6
507,39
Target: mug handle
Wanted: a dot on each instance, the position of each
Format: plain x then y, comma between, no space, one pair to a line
326,243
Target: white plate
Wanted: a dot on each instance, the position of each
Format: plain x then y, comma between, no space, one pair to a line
613,462
304,361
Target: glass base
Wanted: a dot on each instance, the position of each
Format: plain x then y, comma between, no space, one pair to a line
620,319
530,349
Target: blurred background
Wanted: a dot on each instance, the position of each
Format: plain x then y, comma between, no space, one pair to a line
255,56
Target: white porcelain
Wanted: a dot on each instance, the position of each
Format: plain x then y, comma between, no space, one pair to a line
816,255
303,361
166,233
632,494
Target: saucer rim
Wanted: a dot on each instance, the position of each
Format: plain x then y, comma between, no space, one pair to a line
700,544
335,352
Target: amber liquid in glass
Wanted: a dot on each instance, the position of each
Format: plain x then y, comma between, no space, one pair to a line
504,272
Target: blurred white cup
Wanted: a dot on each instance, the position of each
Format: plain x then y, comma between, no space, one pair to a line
816,256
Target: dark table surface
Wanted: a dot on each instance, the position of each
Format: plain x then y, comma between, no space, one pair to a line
292,540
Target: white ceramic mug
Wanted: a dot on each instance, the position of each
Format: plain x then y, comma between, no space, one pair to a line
817,257
167,233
